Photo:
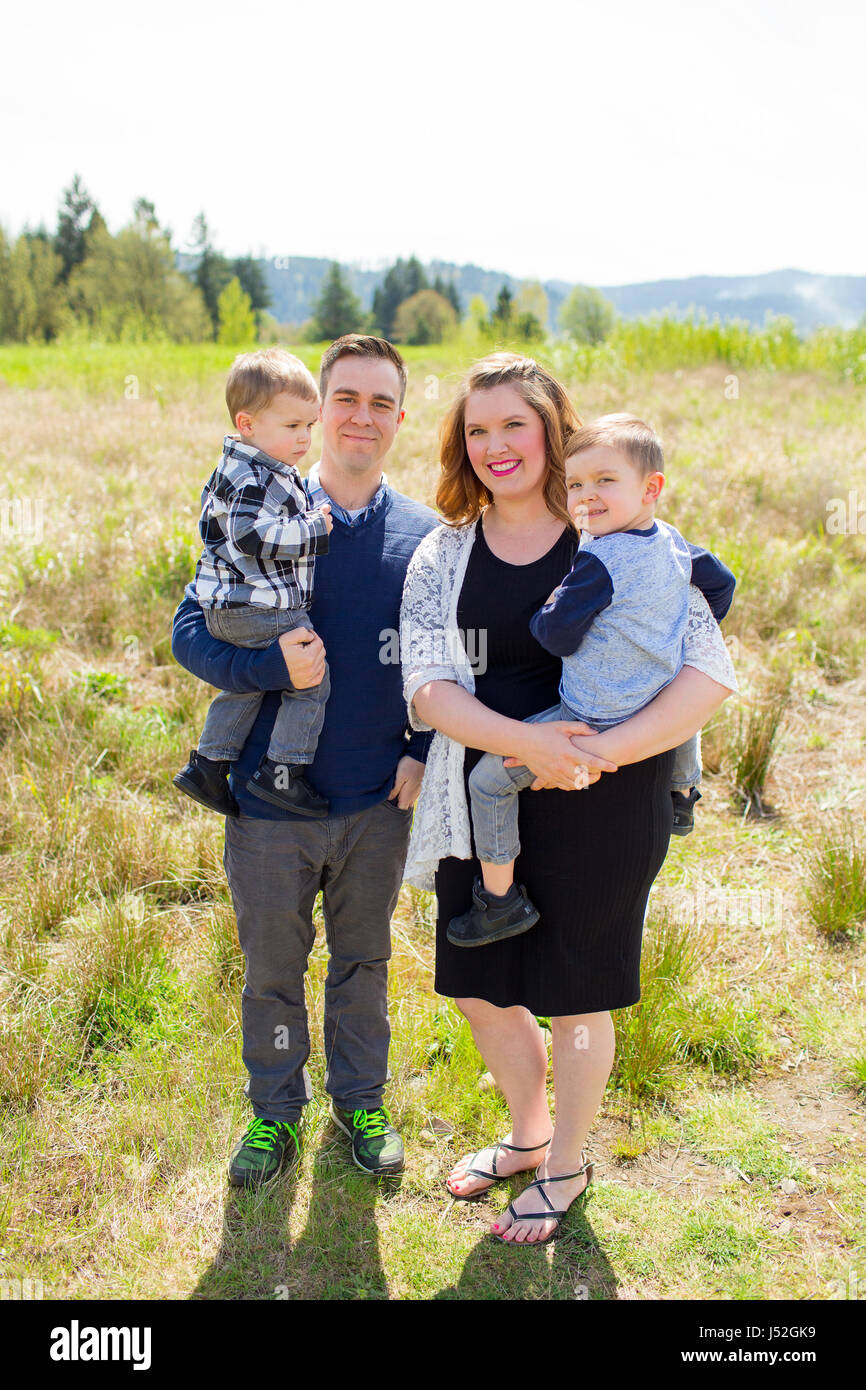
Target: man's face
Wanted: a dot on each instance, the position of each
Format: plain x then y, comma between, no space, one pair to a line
360,413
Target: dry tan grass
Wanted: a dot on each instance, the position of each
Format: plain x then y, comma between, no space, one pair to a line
114,1159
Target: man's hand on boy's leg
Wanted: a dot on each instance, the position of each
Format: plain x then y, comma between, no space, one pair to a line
304,655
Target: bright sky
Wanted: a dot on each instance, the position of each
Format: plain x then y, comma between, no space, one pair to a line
601,143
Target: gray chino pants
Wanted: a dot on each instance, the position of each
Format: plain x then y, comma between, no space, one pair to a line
274,870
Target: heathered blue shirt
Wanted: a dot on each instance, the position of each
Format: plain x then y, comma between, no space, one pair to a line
618,619
356,612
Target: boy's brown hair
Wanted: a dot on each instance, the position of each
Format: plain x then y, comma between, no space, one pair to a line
631,436
362,345
256,377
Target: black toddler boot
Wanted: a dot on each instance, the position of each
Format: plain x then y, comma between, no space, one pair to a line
207,783
284,784
684,811
493,919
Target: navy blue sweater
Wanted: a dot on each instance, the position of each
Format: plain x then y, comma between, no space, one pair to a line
359,585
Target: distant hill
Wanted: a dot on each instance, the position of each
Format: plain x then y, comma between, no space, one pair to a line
810,300
295,283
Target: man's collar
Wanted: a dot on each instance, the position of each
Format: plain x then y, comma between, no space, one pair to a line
314,484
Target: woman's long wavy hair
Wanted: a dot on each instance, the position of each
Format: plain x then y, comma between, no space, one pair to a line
461,496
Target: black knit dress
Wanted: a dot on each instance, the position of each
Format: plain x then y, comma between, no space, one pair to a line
588,858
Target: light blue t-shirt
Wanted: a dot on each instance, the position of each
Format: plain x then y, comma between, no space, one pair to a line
618,620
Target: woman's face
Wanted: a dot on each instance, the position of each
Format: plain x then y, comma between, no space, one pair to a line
505,442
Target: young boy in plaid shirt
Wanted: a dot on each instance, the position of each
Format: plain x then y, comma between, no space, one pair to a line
254,579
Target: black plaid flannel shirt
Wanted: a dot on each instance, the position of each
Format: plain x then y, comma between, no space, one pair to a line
260,538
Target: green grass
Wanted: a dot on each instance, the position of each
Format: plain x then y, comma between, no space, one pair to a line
647,1040
758,731
835,888
718,1033
732,1132
155,370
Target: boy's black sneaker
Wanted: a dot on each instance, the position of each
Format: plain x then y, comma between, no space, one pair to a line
491,919
684,811
284,784
262,1152
207,783
376,1145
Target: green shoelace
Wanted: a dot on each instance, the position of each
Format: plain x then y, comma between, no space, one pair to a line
374,1123
262,1134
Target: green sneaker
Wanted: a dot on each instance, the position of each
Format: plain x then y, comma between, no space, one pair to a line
260,1153
376,1145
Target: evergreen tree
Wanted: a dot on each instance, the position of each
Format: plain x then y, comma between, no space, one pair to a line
527,327
74,219
388,298
401,282
252,279
337,310
448,290
501,316
213,271
414,279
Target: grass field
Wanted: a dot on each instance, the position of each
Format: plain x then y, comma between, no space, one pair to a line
730,1153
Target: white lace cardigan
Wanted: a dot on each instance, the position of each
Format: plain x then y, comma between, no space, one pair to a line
432,649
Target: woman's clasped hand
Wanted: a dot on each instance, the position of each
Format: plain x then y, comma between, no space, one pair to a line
555,760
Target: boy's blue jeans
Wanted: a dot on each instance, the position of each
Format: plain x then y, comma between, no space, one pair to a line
686,771
231,717
493,790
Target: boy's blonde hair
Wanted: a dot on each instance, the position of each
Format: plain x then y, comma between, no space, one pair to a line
631,436
256,377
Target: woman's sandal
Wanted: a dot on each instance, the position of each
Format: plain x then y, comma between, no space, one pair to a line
550,1214
494,1177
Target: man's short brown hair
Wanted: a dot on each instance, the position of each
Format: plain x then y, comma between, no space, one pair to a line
361,345
631,436
256,377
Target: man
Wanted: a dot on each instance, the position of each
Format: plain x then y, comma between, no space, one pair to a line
366,765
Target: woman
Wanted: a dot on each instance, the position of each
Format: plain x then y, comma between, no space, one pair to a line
587,860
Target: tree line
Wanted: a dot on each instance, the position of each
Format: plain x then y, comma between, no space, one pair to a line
127,286
407,309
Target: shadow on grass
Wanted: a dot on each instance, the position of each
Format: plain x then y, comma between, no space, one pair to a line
336,1257
579,1269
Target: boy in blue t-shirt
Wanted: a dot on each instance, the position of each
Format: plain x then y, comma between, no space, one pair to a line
618,620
